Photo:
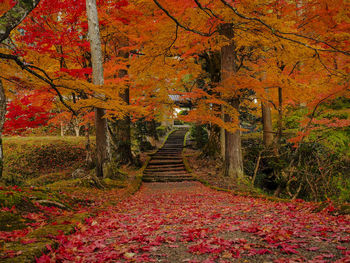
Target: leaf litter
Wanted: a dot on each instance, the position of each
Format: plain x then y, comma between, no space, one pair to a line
188,222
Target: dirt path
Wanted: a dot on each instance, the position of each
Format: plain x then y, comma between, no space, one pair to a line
187,222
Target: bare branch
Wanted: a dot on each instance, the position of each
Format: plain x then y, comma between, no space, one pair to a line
206,10
181,25
173,42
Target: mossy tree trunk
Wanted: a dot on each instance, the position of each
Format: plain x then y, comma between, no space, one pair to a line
121,129
2,121
280,115
121,136
213,66
212,147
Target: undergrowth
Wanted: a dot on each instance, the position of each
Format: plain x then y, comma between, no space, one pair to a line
28,157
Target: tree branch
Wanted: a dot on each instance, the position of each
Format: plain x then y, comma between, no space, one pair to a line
12,18
179,24
206,10
173,42
47,80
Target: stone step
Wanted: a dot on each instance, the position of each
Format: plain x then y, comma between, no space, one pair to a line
167,179
170,150
167,152
179,173
168,155
160,162
166,164
164,169
153,166
162,157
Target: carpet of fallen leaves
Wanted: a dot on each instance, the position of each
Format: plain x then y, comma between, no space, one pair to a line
38,222
187,222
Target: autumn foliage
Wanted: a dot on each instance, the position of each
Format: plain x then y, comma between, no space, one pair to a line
228,62
28,111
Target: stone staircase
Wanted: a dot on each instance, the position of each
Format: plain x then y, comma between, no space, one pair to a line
166,164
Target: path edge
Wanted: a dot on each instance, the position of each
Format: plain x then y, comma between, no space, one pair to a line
342,209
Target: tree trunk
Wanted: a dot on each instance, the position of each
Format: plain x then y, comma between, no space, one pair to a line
62,129
267,124
280,115
2,121
88,158
122,133
121,128
233,150
211,149
77,130
222,136
97,79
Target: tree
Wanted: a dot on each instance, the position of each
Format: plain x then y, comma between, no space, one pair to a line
265,37
97,79
8,21
2,120
229,67
267,124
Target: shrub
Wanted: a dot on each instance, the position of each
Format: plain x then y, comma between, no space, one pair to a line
312,172
199,135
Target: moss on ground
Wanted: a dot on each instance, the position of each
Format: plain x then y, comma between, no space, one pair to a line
59,185
16,199
26,252
110,183
64,224
11,221
47,179
42,237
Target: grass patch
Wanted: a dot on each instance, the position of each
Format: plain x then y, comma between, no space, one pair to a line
28,157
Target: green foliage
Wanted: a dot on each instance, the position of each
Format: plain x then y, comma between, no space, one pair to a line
293,117
338,139
142,130
162,131
312,172
343,188
200,135
339,103
251,148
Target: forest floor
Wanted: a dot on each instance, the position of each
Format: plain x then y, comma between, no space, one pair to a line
41,196
70,221
188,222
32,217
